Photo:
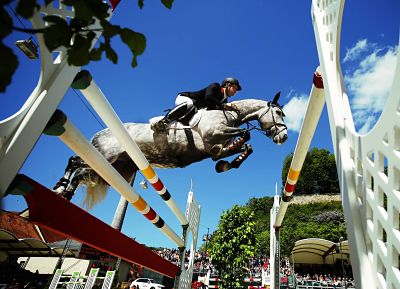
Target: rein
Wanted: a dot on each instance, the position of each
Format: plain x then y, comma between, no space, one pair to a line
268,132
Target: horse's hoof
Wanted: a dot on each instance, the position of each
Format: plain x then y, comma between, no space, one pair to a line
246,136
222,166
66,195
216,151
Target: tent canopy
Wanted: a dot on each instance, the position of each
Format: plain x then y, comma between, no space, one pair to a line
319,251
12,246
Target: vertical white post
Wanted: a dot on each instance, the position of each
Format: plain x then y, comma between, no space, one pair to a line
274,248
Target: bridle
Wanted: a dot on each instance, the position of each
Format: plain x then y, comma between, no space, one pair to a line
275,129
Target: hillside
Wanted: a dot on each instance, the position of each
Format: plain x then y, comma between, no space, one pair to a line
307,199
308,216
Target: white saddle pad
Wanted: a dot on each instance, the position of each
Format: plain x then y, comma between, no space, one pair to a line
178,125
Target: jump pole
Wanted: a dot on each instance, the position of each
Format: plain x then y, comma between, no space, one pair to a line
313,113
101,105
59,125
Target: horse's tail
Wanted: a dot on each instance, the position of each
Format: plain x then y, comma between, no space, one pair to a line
79,173
96,188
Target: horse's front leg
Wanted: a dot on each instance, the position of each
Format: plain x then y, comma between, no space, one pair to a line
223,166
218,151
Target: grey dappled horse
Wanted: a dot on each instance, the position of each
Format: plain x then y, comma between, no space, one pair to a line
213,136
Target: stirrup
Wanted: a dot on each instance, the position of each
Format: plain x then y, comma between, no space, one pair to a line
160,125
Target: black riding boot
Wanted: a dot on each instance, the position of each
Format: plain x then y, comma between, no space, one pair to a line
174,114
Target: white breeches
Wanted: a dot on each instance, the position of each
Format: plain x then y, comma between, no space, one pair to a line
184,99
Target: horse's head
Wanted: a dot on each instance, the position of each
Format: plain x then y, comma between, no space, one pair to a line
272,123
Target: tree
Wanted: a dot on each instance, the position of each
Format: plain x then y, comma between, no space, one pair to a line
261,208
318,175
232,244
76,35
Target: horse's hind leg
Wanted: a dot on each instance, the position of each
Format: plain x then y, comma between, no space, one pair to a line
237,146
74,163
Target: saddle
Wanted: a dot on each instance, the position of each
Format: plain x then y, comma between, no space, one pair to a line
185,123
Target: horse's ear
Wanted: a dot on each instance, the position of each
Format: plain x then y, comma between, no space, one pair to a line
276,97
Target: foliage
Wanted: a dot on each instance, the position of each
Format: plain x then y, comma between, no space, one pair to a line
232,244
76,35
318,175
261,208
314,220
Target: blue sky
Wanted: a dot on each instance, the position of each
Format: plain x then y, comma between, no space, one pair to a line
268,45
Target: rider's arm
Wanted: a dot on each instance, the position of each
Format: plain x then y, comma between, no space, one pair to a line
230,106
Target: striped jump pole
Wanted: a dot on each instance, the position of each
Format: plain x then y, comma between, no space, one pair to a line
256,283
214,280
60,126
313,113
99,102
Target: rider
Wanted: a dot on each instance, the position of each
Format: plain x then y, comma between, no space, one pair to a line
214,96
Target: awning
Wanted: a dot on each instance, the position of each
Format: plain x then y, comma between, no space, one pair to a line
319,251
10,245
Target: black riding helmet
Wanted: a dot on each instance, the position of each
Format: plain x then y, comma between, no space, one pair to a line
231,80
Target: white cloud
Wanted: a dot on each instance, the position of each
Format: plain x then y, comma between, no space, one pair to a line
369,86
355,51
294,111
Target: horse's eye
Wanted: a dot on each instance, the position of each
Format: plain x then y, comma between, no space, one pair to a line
278,112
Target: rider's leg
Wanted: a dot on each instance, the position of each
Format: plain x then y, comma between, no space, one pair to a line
183,106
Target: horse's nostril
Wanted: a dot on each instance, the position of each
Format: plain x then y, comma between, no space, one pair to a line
285,137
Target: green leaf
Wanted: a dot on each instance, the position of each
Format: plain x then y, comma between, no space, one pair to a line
78,53
167,3
110,53
95,54
99,8
58,34
82,11
6,23
9,63
78,24
55,19
26,8
134,61
109,30
90,36
135,41
141,4
67,2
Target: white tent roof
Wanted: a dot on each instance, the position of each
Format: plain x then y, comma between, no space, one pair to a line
319,251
